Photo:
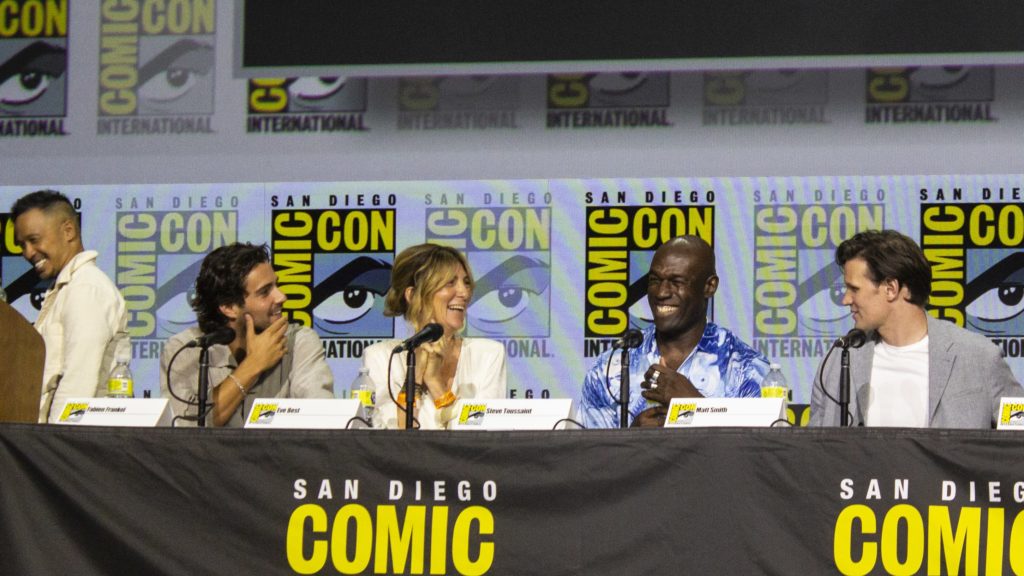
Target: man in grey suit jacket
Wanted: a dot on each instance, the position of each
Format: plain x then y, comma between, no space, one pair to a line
915,370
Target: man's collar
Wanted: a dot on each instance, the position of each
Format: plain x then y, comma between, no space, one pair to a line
77,261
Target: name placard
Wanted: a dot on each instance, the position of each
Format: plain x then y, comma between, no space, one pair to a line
141,412
698,412
333,413
1011,414
511,414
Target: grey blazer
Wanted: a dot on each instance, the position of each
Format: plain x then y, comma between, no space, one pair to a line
966,378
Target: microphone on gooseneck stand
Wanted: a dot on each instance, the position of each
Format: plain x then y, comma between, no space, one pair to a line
429,333
222,335
631,339
853,339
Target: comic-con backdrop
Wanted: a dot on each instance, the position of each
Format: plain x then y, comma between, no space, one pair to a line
560,264
557,186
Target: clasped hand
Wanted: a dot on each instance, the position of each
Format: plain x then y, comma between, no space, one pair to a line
661,385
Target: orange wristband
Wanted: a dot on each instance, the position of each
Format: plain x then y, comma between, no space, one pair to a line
447,400
401,401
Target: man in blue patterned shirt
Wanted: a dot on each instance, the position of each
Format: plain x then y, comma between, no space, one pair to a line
682,355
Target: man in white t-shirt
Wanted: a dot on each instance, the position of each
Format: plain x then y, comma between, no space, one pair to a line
915,370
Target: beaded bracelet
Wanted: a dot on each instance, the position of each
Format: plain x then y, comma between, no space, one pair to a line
239,384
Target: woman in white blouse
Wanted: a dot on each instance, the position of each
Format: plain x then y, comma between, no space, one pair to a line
433,283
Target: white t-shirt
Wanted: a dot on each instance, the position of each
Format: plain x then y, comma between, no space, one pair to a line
898,393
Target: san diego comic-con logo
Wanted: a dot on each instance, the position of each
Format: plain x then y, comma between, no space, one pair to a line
930,95
975,251
443,526
893,525
159,253
33,67
626,100
797,288
307,104
25,290
765,97
334,264
507,239
458,102
157,65
621,238
473,414
1012,414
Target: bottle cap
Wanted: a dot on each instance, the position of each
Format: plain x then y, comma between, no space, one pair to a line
774,366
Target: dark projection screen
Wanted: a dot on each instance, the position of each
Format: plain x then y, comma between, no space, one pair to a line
324,33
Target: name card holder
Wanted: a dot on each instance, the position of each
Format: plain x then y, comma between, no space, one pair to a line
701,412
139,412
1011,414
511,414
326,413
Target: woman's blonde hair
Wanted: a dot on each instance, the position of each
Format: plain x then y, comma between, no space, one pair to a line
426,268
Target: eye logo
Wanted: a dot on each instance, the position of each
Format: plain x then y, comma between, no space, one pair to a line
622,100
343,301
159,254
32,80
798,289
819,302
994,298
33,68
334,265
177,79
974,251
458,102
157,66
511,299
930,94
764,97
307,104
174,298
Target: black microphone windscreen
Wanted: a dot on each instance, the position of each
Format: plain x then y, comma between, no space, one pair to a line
432,332
853,339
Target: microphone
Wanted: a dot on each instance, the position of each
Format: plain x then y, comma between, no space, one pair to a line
430,333
223,335
854,339
631,339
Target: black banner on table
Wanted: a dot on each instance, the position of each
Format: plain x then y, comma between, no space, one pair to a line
728,501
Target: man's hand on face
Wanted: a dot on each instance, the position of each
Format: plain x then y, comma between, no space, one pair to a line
265,350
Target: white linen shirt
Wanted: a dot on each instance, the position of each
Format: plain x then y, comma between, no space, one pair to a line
479,374
83,321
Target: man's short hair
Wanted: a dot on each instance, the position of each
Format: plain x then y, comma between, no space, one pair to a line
49,201
891,255
221,281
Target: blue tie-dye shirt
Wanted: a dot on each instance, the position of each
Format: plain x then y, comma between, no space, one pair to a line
721,366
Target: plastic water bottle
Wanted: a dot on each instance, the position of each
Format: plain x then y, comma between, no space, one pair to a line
364,390
774,384
120,383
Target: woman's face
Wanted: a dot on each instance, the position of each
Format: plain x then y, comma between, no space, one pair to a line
448,305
